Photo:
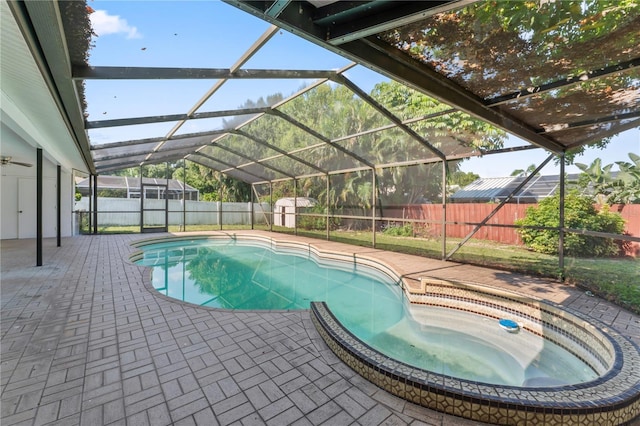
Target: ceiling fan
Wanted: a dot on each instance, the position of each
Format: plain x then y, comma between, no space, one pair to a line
7,160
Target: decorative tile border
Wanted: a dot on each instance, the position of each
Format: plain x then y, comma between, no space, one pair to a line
613,399
571,331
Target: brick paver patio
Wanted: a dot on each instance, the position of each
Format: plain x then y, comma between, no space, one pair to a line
84,341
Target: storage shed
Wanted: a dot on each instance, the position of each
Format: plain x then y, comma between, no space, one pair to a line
285,208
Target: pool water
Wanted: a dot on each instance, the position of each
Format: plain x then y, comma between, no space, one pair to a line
466,345
235,274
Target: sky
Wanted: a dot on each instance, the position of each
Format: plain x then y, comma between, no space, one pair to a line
191,34
501,165
213,34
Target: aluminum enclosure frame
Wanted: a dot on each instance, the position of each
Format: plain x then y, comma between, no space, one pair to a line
343,27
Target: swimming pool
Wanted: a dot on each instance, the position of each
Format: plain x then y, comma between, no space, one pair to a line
253,275
612,398
236,274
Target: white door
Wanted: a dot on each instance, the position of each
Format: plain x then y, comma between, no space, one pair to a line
9,207
26,208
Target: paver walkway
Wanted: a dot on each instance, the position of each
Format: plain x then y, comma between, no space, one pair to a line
84,341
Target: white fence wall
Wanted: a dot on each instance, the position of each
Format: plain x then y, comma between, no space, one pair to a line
126,212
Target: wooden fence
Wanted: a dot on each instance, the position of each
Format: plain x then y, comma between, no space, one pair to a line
431,214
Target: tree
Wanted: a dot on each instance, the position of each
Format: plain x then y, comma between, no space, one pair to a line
158,171
449,131
446,133
213,185
629,177
607,189
130,172
199,177
524,172
233,190
230,123
535,38
462,179
333,111
112,193
498,47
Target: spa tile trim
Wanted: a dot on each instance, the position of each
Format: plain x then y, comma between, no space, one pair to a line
614,399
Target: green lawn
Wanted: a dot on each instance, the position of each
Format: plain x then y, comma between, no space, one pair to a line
616,279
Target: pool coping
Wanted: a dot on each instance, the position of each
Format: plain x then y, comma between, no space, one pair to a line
490,403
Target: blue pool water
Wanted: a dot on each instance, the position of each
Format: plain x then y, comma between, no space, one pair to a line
236,274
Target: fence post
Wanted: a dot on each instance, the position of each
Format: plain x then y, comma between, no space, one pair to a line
251,206
184,198
141,201
95,204
220,207
295,206
444,210
166,198
90,197
327,207
373,207
561,220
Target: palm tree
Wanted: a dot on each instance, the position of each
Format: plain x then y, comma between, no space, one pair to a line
630,177
622,189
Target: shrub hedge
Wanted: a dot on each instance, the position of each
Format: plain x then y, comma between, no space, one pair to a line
579,213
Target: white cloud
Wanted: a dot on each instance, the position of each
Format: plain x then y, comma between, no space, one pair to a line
104,24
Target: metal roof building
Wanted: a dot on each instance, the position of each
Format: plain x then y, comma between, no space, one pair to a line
130,187
497,189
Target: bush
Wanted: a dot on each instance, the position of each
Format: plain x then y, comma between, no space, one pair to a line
579,213
311,223
399,231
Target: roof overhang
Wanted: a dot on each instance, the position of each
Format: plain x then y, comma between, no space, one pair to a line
39,99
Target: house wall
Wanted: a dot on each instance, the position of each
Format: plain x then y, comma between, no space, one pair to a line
18,193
